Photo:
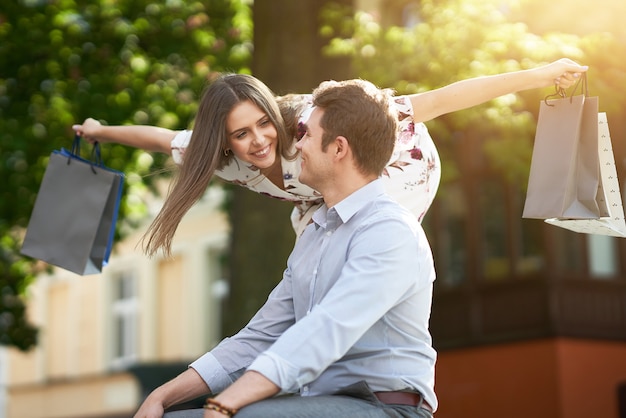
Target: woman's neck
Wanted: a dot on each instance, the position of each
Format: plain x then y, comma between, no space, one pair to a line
275,174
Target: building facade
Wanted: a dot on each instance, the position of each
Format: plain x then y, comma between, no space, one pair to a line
106,339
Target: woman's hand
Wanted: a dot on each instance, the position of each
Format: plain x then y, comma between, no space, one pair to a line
563,73
90,131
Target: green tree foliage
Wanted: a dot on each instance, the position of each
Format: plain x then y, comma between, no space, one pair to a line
123,62
458,39
15,275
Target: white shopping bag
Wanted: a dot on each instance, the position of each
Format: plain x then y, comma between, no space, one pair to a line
611,223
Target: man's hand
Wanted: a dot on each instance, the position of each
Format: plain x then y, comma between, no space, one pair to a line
150,409
249,388
184,387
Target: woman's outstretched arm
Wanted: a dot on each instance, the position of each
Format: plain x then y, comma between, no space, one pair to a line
148,138
474,91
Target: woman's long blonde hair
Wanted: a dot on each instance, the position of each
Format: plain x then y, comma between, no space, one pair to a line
206,151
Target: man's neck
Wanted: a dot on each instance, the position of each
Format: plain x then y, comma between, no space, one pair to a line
344,187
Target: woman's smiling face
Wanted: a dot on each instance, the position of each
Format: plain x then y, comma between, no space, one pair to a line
251,135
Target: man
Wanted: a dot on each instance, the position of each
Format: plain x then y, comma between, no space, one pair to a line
347,327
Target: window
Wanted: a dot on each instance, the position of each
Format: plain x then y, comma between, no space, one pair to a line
494,232
446,229
569,253
124,311
602,255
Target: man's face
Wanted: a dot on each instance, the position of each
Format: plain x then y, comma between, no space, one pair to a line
316,164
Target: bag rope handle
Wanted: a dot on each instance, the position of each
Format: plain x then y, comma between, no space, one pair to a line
96,155
561,93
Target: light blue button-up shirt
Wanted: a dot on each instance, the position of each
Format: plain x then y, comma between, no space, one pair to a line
353,305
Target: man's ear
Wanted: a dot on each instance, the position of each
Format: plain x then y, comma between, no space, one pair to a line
342,146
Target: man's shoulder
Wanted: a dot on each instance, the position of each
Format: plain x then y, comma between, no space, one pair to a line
385,208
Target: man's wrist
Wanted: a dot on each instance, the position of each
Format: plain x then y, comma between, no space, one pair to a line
158,396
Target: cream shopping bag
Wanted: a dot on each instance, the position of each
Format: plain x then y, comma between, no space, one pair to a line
564,171
612,221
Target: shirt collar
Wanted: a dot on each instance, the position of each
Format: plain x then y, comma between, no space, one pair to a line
345,209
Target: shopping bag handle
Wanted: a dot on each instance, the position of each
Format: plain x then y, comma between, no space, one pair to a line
96,155
560,91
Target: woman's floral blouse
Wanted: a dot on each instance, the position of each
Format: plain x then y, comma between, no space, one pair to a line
411,176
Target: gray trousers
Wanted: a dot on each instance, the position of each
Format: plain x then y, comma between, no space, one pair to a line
356,401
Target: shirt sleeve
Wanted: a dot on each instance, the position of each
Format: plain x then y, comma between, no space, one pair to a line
227,361
179,144
406,133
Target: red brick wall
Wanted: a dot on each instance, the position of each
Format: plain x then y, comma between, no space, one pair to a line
560,378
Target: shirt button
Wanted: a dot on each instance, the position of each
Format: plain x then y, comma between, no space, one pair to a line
329,233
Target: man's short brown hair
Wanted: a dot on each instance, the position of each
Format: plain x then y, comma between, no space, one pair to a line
363,114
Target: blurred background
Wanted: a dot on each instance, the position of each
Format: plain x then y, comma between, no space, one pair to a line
528,319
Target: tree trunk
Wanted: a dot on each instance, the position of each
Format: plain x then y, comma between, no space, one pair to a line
288,58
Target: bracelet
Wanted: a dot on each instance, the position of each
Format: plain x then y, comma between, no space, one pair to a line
214,405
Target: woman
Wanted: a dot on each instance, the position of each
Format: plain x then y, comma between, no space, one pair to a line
244,137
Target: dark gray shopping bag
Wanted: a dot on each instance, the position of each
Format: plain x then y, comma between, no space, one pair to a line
72,225
565,170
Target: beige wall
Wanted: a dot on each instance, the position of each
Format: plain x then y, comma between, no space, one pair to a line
71,373
171,333
101,395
